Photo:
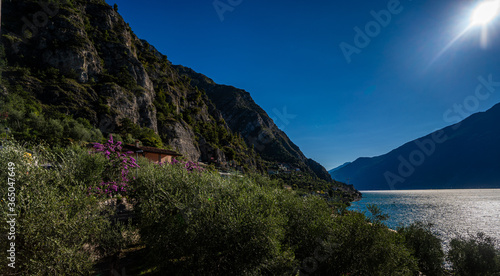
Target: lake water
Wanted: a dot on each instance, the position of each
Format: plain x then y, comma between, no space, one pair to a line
453,212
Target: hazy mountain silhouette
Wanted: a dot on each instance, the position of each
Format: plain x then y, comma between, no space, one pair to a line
464,155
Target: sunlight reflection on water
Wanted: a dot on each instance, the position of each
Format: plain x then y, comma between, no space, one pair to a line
452,212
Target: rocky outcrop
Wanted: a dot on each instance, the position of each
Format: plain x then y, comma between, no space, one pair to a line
244,116
124,104
72,43
181,137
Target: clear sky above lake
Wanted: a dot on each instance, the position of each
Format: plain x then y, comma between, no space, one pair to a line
379,90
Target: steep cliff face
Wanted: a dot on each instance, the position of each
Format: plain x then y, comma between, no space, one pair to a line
80,58
244,116
87,44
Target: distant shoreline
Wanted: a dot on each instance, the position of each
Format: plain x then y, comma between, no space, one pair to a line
423,190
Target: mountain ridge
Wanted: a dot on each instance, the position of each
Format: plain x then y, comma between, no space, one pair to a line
339,167
244,116
463,155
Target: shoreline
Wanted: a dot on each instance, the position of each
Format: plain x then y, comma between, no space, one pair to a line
427,190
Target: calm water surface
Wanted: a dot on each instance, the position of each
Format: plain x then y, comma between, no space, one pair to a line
453,212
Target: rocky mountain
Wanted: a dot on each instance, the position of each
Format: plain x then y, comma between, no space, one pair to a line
73,65
465,155
244,116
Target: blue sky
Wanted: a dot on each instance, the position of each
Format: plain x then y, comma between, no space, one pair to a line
287,54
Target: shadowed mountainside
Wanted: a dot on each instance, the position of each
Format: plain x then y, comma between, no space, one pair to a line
465,155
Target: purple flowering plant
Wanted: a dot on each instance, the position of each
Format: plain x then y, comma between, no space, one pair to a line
115,180
189,166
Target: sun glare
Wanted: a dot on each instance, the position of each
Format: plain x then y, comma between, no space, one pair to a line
485,12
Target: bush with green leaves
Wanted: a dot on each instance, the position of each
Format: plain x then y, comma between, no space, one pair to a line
60,230
425,246
376,214
361,245
475,256
361,248
200,223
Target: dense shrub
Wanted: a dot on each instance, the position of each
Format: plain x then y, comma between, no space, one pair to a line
475,256
360,248
60,230
376,214
199,223
426,247
309,222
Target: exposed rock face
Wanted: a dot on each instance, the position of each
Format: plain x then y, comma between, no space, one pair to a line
70,42
239,110
85,61
126,105
244,116
181,137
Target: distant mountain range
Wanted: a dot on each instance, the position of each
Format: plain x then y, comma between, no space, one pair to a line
464,155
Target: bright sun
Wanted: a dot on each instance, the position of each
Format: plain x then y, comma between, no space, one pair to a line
485,12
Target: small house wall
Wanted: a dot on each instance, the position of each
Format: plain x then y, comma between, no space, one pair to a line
167,158
158,157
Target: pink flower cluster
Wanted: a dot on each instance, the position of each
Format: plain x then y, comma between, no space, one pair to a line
116,179
190,166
